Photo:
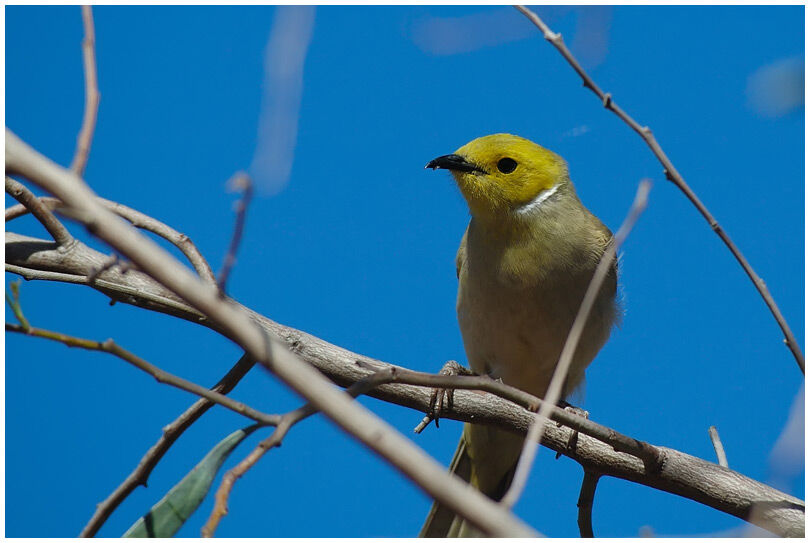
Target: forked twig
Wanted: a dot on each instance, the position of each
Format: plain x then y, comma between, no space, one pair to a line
672,175
274,440
91,94
171,433
287,421
30,202
554,392
139,220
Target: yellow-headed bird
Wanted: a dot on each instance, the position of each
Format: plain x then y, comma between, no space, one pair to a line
523,266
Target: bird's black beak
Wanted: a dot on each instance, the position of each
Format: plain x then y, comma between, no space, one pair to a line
454,163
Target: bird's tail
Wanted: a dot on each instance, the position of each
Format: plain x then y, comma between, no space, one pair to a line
441,521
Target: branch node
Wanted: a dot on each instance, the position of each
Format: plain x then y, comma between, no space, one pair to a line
718,447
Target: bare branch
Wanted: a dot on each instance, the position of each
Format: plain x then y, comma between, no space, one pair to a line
224,491
240,181
585,503
139,220
554,392
170,434
288,420
31,203
161,376
680,474
91,94
673,175
266,349
718,447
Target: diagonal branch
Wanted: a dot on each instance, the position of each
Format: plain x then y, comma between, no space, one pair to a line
287,421
672,174
160,375
155,453
268,350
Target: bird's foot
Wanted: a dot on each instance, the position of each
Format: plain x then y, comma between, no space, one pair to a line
572,441
442,396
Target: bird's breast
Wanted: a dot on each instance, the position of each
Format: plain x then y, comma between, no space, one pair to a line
514,320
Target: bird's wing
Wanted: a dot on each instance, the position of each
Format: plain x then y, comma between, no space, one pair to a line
461,255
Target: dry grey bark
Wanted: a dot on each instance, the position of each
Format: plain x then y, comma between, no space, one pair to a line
680,473
235,323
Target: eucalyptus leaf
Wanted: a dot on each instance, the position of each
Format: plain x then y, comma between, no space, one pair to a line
168,515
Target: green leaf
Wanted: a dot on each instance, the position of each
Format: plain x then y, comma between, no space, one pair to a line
168,515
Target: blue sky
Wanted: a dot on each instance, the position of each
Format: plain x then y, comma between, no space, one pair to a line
357,244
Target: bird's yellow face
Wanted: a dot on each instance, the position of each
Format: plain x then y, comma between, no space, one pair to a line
502,175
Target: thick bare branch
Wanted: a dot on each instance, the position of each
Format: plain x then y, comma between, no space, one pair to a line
672,174
680,474
265,348
91,94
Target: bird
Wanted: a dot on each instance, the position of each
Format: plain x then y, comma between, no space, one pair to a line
524,263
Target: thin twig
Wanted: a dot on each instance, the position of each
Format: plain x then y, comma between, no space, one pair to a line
91,94
170,434
287,421
31,203
161,376
554,392
240,181
718,447
672,175
139,220
224,491
13,301
585,503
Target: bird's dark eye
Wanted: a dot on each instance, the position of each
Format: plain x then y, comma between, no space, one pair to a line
507,165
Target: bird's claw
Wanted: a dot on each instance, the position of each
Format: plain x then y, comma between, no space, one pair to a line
441,397
572,440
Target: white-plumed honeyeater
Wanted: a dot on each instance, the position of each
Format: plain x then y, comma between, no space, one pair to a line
525,261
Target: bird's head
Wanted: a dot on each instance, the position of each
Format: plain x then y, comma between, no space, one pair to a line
503,176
